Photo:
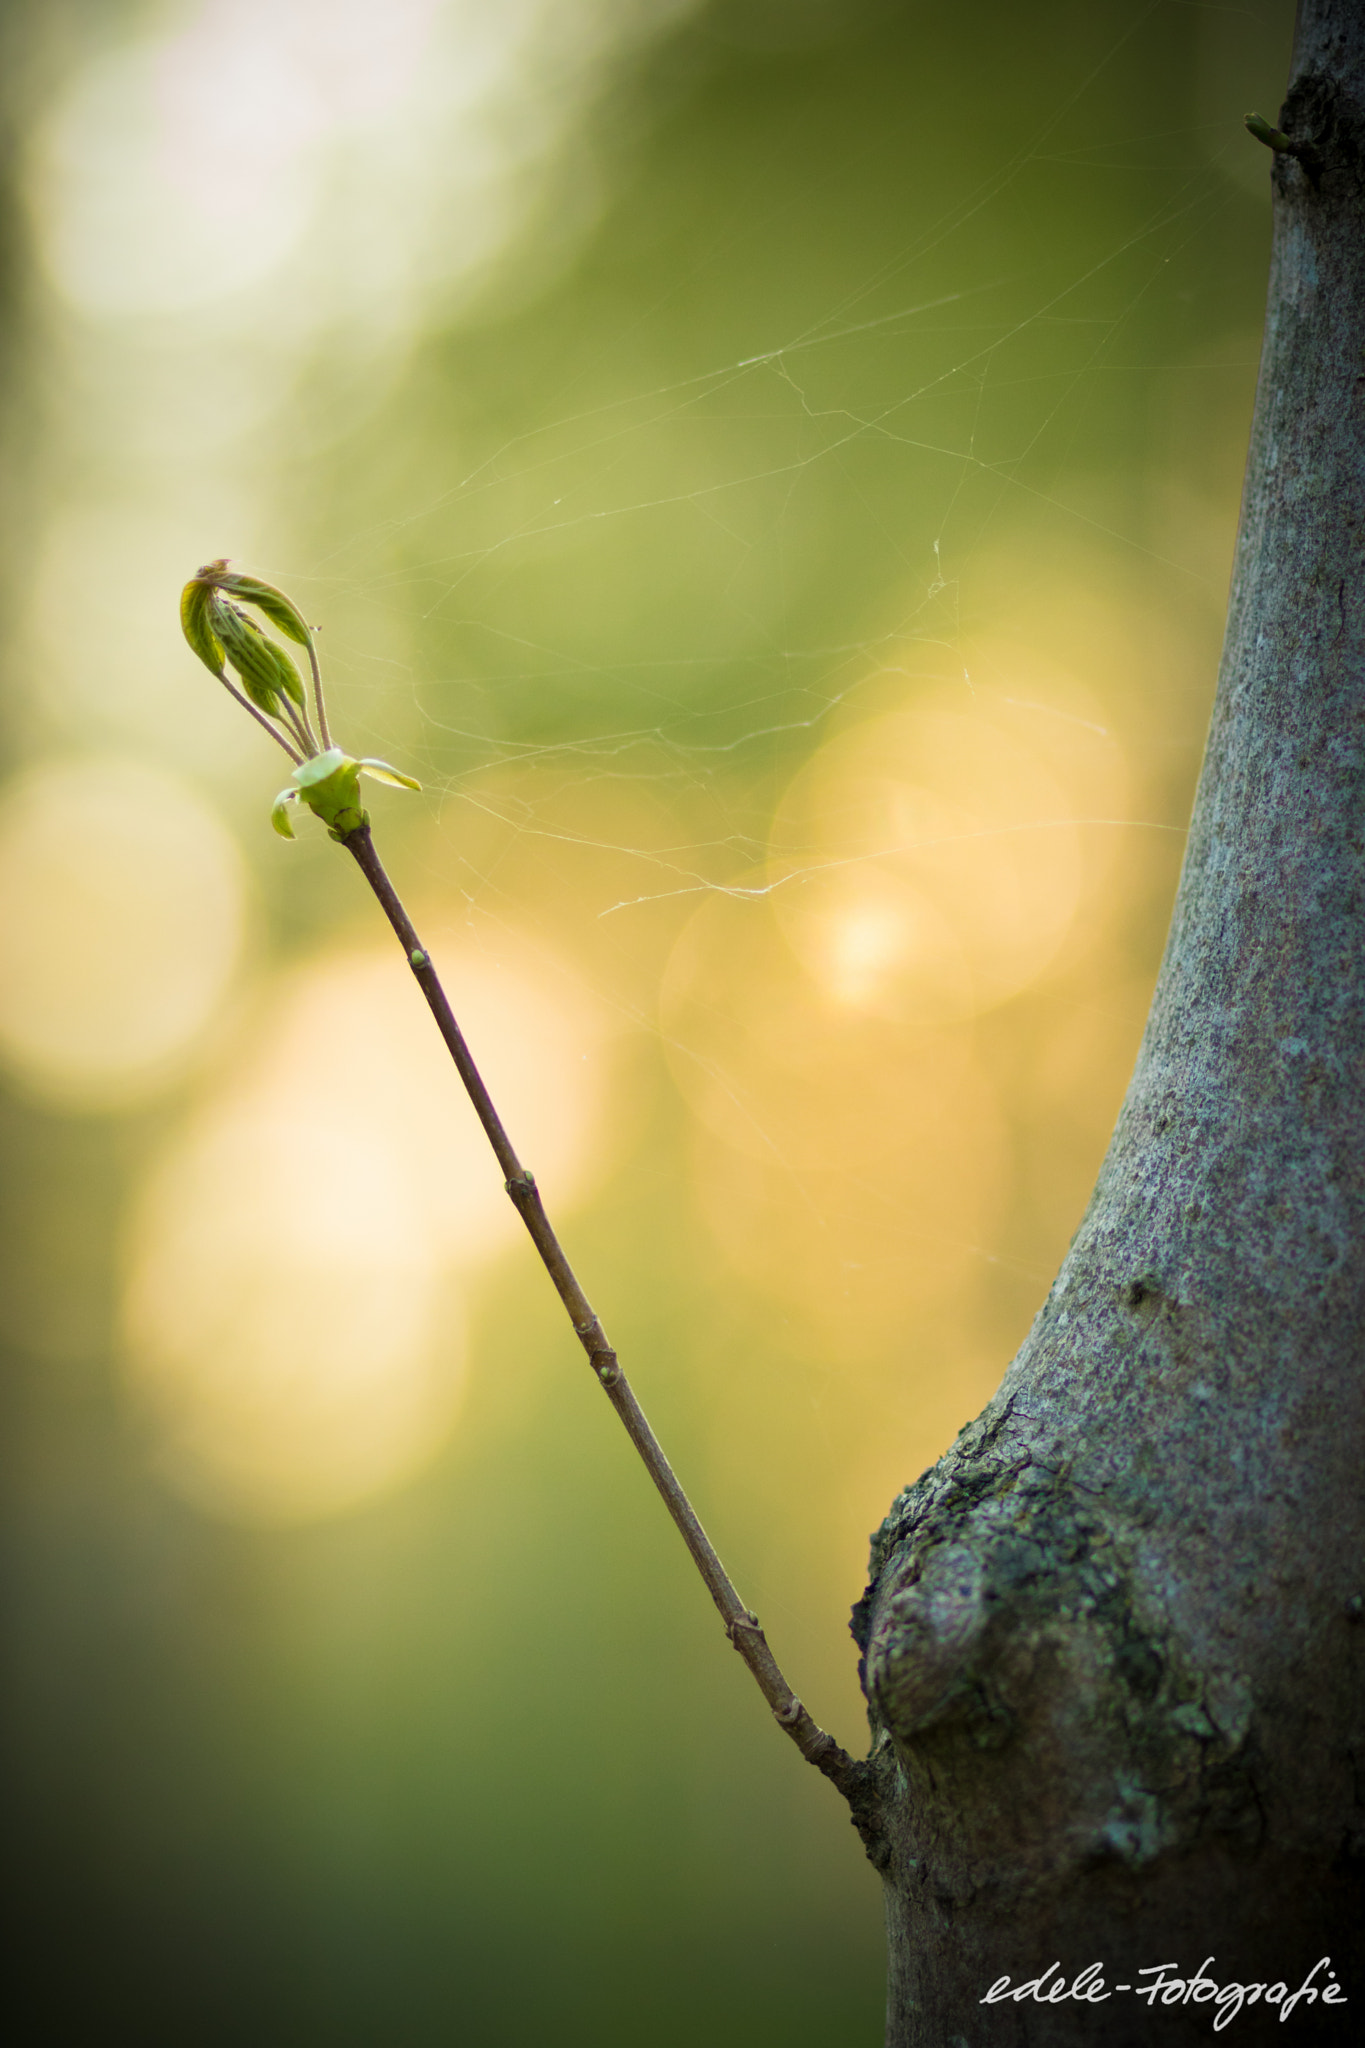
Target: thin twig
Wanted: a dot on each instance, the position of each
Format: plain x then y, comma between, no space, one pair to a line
742,1627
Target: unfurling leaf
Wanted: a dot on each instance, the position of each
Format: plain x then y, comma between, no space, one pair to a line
196,622
220,631
266,671
380,771
330,786
222,634
267,599
329,783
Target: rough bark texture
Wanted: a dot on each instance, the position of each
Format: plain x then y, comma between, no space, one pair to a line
1113,1642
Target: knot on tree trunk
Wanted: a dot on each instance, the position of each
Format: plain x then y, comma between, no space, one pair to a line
1327,123
1044,1708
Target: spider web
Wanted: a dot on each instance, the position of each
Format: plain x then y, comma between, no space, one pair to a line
794,567
965,411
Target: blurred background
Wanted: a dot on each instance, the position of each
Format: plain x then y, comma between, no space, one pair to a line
770,468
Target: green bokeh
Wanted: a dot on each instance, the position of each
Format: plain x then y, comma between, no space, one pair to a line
474,1765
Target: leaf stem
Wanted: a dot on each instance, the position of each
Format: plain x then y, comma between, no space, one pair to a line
317,693
259,716
742,1627
296,720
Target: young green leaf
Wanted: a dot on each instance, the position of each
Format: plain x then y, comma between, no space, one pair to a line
272,602
222,634
330,786
266,671
380,771
321,768
196,622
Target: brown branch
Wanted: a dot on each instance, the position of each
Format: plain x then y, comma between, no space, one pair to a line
819,1748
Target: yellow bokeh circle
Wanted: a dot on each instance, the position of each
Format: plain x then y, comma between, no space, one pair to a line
121,921
293,1318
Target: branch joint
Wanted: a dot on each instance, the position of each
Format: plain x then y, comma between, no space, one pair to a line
605,1366
743,1624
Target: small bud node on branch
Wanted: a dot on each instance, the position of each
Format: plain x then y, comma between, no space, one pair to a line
1273,138
1285,145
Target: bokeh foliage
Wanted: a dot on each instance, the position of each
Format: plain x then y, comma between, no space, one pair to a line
841,457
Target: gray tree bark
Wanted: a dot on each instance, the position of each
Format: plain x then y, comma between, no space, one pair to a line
1113,1642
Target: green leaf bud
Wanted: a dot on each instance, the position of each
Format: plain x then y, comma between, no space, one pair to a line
196,622
276,606
266,672
330,786
321,768
222,634
1273,138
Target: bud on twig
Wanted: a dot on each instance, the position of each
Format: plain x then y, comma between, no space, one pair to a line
330,786
327,781
1285,145
225,636
1273,138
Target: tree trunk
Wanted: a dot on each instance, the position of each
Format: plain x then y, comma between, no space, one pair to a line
1114,1644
